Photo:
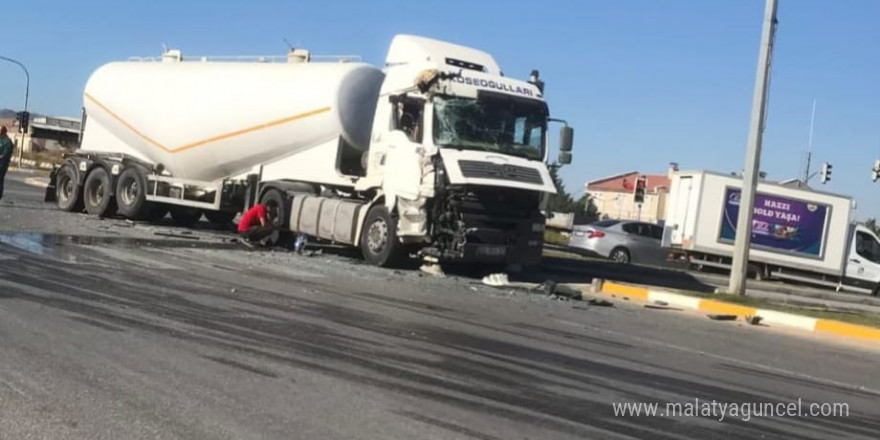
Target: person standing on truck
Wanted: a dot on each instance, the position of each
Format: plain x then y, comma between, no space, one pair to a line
255,226
5,156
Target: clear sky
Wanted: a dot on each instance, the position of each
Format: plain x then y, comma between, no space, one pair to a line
644,82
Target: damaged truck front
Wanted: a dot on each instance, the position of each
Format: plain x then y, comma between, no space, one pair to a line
464,164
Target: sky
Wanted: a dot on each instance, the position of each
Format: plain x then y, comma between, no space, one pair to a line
643,82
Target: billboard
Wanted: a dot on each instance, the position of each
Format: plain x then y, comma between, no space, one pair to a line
779,223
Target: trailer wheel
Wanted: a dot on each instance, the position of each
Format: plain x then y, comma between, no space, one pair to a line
96,194
185,216
220,218
379,243
68,193
131,194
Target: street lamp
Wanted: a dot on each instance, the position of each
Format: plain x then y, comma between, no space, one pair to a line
27,92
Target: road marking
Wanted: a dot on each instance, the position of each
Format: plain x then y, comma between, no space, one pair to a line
36,181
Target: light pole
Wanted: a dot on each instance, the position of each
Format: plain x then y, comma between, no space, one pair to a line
27,92
743,239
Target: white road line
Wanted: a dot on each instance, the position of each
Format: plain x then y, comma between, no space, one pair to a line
36,181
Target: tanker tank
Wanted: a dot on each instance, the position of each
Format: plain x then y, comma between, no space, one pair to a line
207,120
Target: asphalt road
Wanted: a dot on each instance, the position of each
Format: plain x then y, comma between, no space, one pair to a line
133,337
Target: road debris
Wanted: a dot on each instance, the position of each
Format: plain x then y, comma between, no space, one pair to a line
432,269
600,302
496,279
555,290
722,317
754,320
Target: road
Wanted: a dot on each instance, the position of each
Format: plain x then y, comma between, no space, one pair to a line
131,338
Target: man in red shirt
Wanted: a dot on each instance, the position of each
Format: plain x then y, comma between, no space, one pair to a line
255,225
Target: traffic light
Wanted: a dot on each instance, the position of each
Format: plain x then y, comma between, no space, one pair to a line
825,174
875,173
639,189
23,121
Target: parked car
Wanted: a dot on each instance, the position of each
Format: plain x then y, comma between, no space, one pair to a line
621,241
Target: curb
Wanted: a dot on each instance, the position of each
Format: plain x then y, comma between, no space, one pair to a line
806,323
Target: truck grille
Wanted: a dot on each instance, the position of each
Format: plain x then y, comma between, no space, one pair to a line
476,169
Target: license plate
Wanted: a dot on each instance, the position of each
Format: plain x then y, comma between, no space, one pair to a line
492,251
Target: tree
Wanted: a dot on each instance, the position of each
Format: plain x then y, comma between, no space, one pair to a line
561,201
871,224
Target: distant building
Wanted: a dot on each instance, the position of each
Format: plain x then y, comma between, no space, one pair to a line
613,196
47,133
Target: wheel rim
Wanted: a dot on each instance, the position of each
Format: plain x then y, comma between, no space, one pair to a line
130,192
96,193
377,236
619,256
65,188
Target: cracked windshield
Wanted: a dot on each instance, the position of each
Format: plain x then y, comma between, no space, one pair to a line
499,124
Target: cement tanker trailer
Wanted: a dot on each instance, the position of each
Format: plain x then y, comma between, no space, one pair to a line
437,154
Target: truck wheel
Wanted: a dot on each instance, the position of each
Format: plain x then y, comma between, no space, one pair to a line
185,216
220,218
620,255
379,242
68,193
131,194
275,201
96,192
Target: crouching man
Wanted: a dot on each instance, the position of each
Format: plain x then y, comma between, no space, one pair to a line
255,226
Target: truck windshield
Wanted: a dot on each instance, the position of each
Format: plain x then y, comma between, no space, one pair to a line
493,122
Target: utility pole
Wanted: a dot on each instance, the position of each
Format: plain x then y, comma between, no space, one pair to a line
810,144
27,92
753,155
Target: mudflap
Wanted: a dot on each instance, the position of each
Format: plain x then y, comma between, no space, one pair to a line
51,194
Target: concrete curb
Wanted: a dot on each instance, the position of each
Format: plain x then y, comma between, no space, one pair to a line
653,296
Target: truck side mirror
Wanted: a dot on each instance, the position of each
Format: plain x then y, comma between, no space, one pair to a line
566,138
564,158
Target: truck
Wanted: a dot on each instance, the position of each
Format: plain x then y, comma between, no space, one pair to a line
437,153
798,234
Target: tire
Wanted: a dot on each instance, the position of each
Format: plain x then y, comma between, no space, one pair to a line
96,194
185,216
220,218
620,255
379,243
275,200
131,195
68,192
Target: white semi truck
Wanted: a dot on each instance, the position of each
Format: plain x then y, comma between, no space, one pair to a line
798,234
437,153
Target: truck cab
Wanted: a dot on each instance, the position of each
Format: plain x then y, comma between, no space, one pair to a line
459,152
863,260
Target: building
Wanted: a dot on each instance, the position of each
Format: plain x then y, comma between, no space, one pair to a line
614,199
47,133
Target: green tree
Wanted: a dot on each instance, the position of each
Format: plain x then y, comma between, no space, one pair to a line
562,200
871,224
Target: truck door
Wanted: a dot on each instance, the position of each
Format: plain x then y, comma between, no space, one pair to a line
863,263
